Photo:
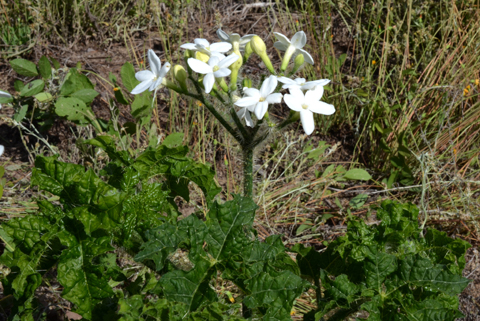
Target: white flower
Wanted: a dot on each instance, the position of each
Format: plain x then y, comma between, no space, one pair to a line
293,47
151,79
204,46
2,149
307,105
257,100
4,94
300,83
237,42
244,113
216,68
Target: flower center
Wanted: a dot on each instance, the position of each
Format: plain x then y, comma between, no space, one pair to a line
216,68
261,99
304,106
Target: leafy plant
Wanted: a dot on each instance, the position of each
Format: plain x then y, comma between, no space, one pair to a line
390,270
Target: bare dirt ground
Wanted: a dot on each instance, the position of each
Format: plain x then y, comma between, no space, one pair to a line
102,59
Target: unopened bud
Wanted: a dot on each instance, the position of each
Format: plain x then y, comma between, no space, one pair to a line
298,62
247,82
248,50
258,45
181,76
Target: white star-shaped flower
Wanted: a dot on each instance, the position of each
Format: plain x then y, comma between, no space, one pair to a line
243,113
293,47
258,100
2,149
4,94
204,46
151,79
307,105
300,83
234,39
217,67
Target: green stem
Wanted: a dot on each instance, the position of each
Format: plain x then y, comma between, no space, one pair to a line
247,171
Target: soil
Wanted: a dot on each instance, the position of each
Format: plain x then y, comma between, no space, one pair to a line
104,59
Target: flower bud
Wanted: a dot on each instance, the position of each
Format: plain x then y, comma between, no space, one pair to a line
248,50
298,62
247,82
202,56
258,45
181,76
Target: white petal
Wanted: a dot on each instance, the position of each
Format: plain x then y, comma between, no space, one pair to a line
5,94
216,54
222,72
202,42
252,92
320,107
292,102
287,81
144,75
261,109
308,123
222,35
226,62
316,83
164,70
213,61
220,46
141,87
280,46
234,37
155,84
274,98
245,39
199,66
2,149
306,55
299,39
246,101
244,113
281,38
189,46
155,63
208,82
268,86
314,95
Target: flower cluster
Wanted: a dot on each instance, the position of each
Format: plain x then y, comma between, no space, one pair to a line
215,61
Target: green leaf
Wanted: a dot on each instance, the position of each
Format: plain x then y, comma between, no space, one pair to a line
341,288
83,283
225,224
191,288
44,97
74,110
378,266
45,68
120,97
128,76
85,95
173,140
357,174
74,82
55,63
32,88
358,201
18,85
277,293
24,67
142,105
21,113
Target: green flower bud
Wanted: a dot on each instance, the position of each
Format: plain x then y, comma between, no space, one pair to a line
259,48
181,76
247,82
248,50
258,45
298,62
